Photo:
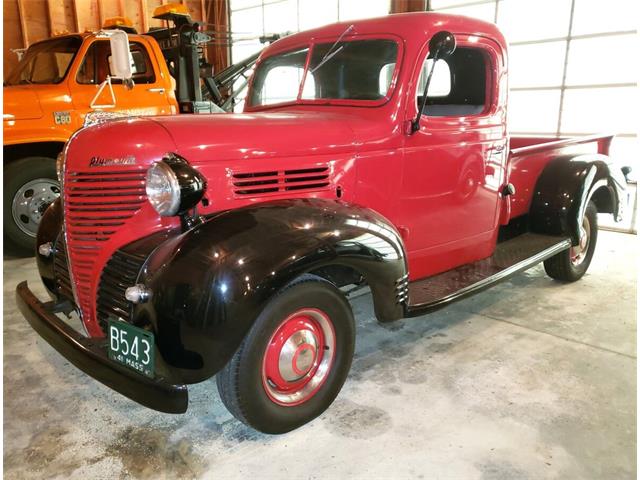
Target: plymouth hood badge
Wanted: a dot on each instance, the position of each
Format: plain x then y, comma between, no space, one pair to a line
106,162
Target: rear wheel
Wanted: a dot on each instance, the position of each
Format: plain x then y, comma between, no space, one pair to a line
294,360
30,186
572,264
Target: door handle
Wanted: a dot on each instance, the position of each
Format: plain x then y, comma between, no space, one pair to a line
155,90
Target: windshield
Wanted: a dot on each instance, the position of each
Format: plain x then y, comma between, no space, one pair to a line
45,62
349,70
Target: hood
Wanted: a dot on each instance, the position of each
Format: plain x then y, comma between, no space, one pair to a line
129,144
21,102
259,136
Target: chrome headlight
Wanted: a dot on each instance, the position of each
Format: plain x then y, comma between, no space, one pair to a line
173,186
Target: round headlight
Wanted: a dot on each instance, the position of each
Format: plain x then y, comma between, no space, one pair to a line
163,190
173,186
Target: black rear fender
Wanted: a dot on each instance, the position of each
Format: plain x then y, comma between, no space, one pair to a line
566,186
210,284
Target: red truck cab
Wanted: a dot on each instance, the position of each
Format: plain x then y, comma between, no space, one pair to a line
217,245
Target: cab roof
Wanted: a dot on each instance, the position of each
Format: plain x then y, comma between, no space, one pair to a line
411,27
83,36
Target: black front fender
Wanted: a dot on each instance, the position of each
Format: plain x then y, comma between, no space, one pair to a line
566,186
210,284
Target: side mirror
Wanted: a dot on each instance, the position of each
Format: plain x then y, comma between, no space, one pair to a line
121,60
441,45
120,66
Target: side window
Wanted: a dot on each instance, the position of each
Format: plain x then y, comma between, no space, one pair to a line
97,64
458,84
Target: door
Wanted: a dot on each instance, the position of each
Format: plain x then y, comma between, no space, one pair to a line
454,165
148,97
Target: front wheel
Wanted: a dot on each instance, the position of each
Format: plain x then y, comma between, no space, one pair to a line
294,360
572,264
30,186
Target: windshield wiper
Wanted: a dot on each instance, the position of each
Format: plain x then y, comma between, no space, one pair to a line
331,52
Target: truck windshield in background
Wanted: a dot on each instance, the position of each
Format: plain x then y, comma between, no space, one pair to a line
347,71
45,62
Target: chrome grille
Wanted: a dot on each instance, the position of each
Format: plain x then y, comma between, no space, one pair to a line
269,182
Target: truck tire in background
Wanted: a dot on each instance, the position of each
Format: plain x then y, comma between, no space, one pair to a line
572,264
30,185
295,359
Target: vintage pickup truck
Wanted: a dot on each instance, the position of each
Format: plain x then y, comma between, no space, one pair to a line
369,153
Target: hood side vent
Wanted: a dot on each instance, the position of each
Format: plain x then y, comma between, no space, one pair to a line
273,182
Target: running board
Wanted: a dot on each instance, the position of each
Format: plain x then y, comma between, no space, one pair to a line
510,257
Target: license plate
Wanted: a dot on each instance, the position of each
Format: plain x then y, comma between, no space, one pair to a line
132,346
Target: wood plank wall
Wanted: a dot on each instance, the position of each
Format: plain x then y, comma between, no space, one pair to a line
402,6
28,21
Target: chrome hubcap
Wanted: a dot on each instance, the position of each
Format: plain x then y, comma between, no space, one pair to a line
30,202
298,357
579,252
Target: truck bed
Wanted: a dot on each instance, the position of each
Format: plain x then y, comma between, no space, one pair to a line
529,155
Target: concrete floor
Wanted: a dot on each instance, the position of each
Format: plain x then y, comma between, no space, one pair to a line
532,379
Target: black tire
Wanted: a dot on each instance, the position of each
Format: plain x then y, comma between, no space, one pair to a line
17,174
567,266
240,382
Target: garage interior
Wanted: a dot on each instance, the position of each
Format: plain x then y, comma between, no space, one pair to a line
530,379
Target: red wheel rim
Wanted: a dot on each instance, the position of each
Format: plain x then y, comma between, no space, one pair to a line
298,357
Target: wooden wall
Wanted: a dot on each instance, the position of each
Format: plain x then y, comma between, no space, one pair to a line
28,21
402,6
